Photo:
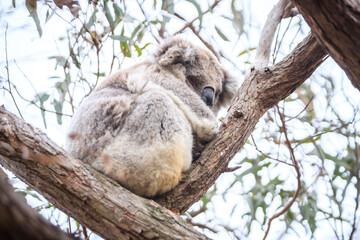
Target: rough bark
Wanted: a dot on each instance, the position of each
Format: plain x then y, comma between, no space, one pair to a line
81,192
261,90
336,24
19,221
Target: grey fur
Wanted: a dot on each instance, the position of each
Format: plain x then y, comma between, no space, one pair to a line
140,125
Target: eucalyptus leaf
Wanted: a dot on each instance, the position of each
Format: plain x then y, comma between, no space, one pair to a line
221,34
33,13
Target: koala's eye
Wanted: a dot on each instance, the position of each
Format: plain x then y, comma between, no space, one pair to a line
208,96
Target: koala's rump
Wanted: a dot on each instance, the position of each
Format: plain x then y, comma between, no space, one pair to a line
153,147
143,141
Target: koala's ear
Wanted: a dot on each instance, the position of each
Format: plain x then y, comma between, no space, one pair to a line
230,86
174,50
172,56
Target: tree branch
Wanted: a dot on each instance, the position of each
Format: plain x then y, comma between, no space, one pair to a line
80,191
19,221
336,23
268,32
260,91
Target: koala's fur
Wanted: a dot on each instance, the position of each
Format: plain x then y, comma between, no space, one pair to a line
141,124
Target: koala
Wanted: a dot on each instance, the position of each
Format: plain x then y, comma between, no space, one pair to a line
144,125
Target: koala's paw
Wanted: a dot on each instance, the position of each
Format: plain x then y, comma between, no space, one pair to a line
207,130
136,83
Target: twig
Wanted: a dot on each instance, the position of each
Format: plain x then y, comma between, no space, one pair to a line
275,53
187,25
197,212
203,41
86,236
297,169
306,106
8,74
69,223
232,169
319,134
357,187
268,156
32,102
68,88
200,225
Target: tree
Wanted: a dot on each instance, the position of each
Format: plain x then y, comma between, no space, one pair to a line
111,211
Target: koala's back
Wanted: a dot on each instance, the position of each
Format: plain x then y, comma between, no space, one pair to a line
97,121
142,140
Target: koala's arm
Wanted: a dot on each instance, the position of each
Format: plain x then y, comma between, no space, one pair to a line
201,118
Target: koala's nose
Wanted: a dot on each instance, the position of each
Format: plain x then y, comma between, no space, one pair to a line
207,95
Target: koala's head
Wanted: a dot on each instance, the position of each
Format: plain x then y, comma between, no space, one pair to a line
203,72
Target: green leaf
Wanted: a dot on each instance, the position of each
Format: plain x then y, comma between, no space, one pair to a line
108,15
43,113
102,74
167,5
92,19
138,50
48,16
221,34
128,18
41,98
48,206
60,60
44,97
118,11
58,108
34,15
121,38
238,20
125,49
118,14
135,31
246,51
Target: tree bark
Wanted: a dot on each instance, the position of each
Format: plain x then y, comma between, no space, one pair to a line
19,221
260,91
336,23
80,191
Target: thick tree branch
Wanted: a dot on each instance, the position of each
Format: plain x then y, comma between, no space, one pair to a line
260,91
336,23
19,221
81,192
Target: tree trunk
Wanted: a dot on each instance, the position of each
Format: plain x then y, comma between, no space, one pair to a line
19,221
336,23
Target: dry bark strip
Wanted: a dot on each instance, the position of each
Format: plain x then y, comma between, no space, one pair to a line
261,90
113,212
80,191
268,32
336,23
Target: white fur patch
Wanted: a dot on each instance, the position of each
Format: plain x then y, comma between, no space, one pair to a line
136,82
